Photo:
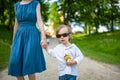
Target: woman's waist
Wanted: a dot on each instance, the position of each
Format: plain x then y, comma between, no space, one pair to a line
27,24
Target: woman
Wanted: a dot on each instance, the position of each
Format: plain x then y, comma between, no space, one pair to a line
26,56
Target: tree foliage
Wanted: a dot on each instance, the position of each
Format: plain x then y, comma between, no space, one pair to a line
7,14
90,12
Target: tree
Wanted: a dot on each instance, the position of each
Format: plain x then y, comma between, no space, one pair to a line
54,16
90,12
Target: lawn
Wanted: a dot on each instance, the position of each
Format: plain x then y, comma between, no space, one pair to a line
5,41
103,47
4,54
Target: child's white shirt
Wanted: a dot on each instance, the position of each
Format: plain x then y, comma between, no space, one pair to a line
59,52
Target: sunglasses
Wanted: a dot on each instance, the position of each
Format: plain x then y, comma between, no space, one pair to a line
62,35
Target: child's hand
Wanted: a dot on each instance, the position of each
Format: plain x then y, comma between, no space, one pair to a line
71,63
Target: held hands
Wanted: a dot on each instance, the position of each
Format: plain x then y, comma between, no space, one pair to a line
44,44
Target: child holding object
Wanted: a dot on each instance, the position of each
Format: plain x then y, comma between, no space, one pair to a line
67,54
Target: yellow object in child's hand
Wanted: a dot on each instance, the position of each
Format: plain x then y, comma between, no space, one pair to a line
66,57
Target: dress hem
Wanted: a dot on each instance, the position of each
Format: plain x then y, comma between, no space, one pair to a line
27,73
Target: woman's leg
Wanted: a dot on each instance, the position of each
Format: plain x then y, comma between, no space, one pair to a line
20,78
31,77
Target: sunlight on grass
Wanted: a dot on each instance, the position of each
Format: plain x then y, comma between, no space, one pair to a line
102,47
79,36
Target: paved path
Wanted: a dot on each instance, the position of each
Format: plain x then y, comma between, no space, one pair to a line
88,70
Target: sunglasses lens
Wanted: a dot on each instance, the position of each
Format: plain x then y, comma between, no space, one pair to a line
64,35
58,36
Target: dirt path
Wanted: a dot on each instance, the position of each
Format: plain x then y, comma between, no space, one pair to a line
88,70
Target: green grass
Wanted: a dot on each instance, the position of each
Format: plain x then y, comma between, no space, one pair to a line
4,54
103,47
5,41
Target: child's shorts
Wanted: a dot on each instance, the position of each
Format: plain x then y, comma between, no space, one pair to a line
67,77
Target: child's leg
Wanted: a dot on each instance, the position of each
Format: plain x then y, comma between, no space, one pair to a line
67,77
31,77
70,77
62,77
20,78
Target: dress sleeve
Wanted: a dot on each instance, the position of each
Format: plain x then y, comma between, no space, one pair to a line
36,3
15,6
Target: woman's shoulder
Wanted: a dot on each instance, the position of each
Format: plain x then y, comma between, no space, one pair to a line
15,4
36,2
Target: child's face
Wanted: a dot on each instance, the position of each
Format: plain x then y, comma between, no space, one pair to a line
63,36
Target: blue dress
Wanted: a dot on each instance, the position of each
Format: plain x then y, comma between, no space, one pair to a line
26,55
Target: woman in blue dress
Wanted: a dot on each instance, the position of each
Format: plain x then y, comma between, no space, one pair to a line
26,57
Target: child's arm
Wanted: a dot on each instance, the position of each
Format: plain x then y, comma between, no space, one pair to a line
71,63
51,52
79,55
78,59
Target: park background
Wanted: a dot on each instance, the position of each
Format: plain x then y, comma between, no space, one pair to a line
95,25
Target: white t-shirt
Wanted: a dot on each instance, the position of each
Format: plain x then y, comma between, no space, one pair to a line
74,52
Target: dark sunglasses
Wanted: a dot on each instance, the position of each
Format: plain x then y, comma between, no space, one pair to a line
62,35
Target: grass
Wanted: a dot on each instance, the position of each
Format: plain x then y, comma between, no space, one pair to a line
103,47
5,41
4,54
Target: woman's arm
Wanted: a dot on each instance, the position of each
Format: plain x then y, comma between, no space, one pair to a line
40,24
15,27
